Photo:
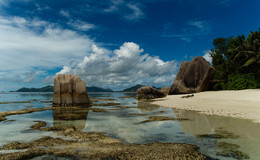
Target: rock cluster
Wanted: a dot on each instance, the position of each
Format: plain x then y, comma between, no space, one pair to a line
192,77
94,145
148,92
70,90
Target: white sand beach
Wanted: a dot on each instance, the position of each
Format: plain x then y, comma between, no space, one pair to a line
243,104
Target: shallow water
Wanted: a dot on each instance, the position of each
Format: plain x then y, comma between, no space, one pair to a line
124,124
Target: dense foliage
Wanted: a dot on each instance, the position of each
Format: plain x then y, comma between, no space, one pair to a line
237,62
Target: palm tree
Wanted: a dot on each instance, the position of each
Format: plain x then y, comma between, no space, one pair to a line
236,55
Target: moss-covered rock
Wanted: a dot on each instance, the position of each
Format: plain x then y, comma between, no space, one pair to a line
38,125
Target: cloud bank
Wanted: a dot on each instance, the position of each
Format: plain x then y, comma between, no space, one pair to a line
125,67
30,48
30,45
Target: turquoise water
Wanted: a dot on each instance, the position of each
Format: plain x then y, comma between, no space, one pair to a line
121,124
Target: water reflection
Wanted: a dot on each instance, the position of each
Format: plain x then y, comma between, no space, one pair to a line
123,123
248,132
45,95
147,107
70,117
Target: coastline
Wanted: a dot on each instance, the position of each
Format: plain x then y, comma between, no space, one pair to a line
243,104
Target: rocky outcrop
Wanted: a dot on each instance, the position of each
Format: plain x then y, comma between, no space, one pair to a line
194,76
148,92
165,90
69,90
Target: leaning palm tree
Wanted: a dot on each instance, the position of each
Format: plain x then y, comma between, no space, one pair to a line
248,53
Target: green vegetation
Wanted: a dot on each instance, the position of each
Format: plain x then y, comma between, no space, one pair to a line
237,62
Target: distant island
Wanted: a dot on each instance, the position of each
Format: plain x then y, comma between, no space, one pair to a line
133,89
51,89
89,89
98,89
43,89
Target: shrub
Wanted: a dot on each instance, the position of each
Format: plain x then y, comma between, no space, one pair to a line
241,81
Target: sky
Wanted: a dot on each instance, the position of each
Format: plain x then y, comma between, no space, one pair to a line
113,43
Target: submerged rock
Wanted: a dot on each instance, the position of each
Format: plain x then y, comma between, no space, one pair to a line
70,90
38,125
126,97
99,100
231,150
124,107
89,145
46,141
148,92
24,111
107,104
219,134
137,114
98,110
15,102
227,146
192,77
93,145
162,118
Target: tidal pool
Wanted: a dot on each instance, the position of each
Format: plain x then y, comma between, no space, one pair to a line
218,137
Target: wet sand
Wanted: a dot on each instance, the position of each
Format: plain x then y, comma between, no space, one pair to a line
244,104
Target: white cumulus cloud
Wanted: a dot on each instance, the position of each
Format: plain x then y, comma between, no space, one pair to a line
125,67
207,56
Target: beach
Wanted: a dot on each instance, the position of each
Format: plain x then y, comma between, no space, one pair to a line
243,104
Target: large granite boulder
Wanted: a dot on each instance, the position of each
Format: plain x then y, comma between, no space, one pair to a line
148,92
165,90
70,90
194,76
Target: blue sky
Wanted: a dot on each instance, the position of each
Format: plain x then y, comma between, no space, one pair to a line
113,43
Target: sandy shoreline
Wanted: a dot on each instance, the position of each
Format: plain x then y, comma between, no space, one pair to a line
243,104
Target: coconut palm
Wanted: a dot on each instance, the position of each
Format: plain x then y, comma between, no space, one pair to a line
236,55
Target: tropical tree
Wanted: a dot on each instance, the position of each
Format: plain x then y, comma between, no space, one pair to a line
236,57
